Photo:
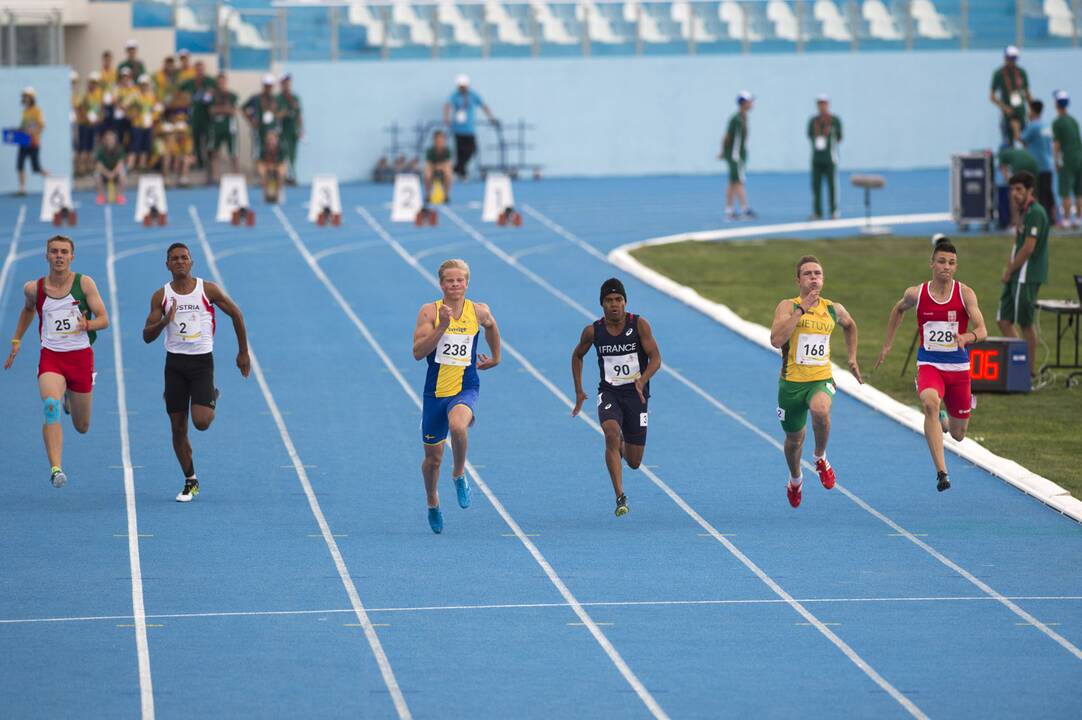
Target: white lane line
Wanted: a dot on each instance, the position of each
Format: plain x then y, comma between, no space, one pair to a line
12,255
984,587
844,647
438,248
302,474
576,606
534,606
139,250
146,685
347,247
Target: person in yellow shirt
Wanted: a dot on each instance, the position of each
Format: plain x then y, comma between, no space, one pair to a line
178,151
126,91
89,117
107,75
801,330
33,123
167,84
186,71
143,110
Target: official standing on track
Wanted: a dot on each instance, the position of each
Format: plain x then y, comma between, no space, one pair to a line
185,309
458,113
627,357
825,133
734,151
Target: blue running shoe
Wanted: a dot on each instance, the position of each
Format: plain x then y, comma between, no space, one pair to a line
435,520
462,487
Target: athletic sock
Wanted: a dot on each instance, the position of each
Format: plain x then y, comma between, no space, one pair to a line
189,474
817,458
55,469
797,481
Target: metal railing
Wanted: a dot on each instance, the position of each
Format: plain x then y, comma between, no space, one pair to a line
31,35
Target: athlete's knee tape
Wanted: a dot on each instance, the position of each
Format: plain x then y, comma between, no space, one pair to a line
52,411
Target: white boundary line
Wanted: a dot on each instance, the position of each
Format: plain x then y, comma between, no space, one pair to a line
146,685
340,564
984,587
533,606
9,260
1013,473
829,634
550,572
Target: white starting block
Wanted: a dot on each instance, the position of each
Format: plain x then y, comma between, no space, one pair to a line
325,205
232,198
499,206
408,198
56,201
150,203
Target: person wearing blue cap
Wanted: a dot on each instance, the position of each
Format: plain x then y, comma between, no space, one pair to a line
734,151
1010,93
1067,146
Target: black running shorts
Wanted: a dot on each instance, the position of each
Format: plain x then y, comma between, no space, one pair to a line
189,380
627,410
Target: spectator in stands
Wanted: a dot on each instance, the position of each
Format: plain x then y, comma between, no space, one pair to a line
272,161
734,150
107,81
110,167
825,132
167,86
125,92
73,114
438,164
1068,149
1027,267
291,122
200,88
186,71
223,126
89,119
32,124
1011,162
143,109
1037,138
132,62
1010,93
177,160
261,113
458,114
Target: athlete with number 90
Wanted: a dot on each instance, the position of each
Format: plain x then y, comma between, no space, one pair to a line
446,336
801,330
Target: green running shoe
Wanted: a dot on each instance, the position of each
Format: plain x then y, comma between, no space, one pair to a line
621,506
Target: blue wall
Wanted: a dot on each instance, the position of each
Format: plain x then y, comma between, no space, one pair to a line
633,116
53,86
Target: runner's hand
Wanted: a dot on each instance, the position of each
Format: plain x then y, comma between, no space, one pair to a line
580,398
809,303
484,362
882,356
172,312
84,323
639,385
14,351
446,316
855,369
244,363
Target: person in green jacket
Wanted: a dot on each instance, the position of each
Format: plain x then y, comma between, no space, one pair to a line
1012,161
200,89
291,122
1027,267
1067,150
825,133
1010,93
734,151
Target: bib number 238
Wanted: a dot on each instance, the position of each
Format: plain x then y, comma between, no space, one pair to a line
454,350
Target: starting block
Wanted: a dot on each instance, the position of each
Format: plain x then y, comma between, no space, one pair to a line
56,204
408,199
150,203
233,204
325,205
499,206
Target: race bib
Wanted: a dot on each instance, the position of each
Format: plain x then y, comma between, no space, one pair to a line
460,117
92,117
107,99
187,327
455,350
147,119
62,322
268,117
1016,99
940,336
118,114
820,142
621,369
813,349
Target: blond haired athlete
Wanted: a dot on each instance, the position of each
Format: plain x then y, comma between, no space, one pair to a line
446,336
801,330
70,312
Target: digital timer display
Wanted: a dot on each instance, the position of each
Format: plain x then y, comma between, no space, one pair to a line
999,364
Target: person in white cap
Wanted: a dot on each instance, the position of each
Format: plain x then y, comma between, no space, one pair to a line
1067,147
458,114
1010,93
143,109
825,132
33,123
132,62
734,151
89,117
292,123
261,112
73,115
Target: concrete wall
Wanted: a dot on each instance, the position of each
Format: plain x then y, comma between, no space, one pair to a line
51,85
660,115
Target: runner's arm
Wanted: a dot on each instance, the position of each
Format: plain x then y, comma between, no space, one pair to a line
96,305
586,340
653,352
976,319
219,297
157,320
849,327
427,333
26,316
908,301
786,316
492,336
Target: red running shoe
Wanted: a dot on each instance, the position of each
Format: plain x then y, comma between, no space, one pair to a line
826,473
794,493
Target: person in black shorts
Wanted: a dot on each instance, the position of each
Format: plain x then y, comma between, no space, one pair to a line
627,357
185,309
